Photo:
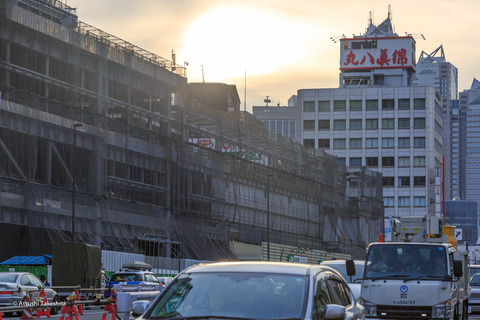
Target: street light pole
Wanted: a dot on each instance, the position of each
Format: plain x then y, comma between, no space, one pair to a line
75,126
268,216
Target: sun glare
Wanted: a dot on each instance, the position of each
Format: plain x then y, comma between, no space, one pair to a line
230,40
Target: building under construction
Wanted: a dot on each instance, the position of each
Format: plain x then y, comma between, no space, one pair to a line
97,129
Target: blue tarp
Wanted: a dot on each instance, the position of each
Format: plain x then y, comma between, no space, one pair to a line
29,260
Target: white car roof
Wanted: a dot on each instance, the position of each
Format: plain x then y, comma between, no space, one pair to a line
254,266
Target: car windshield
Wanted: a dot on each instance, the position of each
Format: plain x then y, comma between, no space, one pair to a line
151,278
8,277
121,277
406,261
475,280
238,295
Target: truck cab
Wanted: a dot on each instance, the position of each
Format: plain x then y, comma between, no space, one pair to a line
420,275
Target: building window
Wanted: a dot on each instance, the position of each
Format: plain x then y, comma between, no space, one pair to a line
403,103
339,124
388,161
404,201
339,143
388,181
404,181
404,161
419,103
355,105
419,142
419,201
371,123
388,142
341,161
419,161
388,123
371,143
355,124
323,124
356,143
371,161
388,202
403,123
308,106
388,104
309,143
323,143
323,105
339,105
292,129
419,123
419,181
355,162
403,142
371,105
308,124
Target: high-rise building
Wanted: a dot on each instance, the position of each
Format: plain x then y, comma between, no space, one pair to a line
470,155
379,120
434,70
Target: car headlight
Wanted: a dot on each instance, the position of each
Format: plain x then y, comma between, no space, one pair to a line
442,310
370,308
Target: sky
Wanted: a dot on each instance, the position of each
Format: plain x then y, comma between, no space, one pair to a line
275,47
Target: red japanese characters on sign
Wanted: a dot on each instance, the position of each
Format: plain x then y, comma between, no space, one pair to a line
362,53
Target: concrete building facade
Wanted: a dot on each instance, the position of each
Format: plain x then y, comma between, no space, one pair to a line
379,120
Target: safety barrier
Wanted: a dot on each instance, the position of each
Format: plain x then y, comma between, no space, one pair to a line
27,312
43,311
69,309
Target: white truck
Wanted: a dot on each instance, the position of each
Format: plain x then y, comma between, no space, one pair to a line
417,275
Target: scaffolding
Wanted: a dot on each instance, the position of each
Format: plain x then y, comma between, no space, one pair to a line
152,161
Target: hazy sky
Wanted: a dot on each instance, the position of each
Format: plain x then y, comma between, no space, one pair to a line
281,45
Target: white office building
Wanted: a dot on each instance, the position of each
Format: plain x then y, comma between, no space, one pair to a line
434,70
379,120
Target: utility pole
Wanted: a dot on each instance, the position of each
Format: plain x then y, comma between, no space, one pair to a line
75,126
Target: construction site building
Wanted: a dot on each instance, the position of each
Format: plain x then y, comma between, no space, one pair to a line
102,140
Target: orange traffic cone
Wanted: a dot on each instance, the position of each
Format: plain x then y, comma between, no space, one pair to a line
46,310
27,312
109,308
80,306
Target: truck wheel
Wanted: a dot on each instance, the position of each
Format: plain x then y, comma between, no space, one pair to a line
465,310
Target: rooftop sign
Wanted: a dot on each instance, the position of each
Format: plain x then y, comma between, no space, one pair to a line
377,53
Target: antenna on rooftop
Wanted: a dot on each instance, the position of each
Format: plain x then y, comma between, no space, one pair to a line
267,101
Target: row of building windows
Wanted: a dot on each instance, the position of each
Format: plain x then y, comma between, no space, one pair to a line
357,143
384,161
404,201
284,127
357,105
404,181
370,124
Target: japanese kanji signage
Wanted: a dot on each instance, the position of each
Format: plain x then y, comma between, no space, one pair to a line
377,53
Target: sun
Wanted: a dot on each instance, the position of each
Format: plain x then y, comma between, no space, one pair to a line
231,40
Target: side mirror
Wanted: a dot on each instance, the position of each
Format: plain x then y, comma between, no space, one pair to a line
457,268
350,264
139,307
334,311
